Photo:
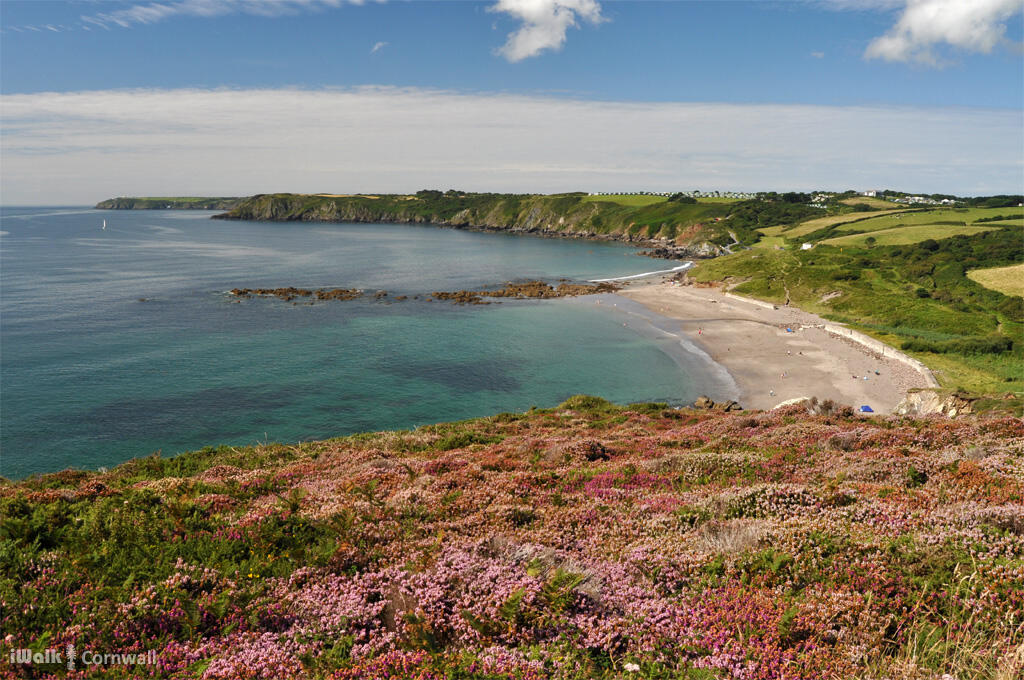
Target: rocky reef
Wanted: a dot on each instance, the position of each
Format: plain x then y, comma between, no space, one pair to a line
519,291
530,289
290,293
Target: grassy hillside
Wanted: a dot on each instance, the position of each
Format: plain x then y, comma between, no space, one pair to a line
906,285
584,541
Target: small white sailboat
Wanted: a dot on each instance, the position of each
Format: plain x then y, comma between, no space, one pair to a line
104,224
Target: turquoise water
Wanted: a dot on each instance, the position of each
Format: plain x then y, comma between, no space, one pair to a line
120,342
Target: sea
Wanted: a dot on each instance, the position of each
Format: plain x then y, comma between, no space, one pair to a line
124,341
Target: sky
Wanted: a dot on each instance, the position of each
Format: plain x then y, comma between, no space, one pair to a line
237,97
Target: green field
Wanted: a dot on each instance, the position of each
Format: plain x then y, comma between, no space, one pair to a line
181,199
641,200
626,199
1007,280
879,203
770,242
833,220
942,216
721,199
901,236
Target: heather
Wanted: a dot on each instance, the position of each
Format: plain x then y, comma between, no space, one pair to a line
587,540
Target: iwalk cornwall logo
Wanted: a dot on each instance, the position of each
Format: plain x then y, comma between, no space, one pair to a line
72,660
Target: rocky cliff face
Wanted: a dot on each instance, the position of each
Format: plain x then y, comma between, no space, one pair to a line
925,402
540,215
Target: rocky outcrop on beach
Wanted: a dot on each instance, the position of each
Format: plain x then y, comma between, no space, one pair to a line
709,404
925,402
704,249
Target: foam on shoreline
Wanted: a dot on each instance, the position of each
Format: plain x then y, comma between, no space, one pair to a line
686,265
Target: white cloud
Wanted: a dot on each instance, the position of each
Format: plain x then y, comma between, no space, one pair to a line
969,25
545,23
818,55
377,47
151,13
86,146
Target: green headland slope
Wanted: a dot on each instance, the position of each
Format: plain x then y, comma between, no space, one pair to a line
706,228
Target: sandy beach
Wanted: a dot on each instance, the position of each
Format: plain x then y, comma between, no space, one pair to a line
770,364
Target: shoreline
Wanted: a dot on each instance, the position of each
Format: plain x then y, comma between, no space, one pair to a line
771,365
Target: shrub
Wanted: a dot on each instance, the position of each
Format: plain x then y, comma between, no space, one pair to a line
915,477
585,403
460,440
993,344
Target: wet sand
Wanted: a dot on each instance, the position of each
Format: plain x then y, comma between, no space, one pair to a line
769,364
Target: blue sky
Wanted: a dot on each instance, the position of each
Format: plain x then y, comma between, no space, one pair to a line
907,70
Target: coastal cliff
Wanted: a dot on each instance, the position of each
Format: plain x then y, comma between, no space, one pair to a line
676,229
169,203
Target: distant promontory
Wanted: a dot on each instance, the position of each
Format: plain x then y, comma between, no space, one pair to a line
170,203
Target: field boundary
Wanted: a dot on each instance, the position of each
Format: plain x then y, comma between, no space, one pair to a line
795,230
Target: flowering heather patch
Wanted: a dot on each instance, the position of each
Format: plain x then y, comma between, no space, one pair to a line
588,540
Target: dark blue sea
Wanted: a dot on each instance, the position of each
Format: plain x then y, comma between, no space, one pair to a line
120,342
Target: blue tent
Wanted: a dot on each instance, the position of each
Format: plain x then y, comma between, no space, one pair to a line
866,409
